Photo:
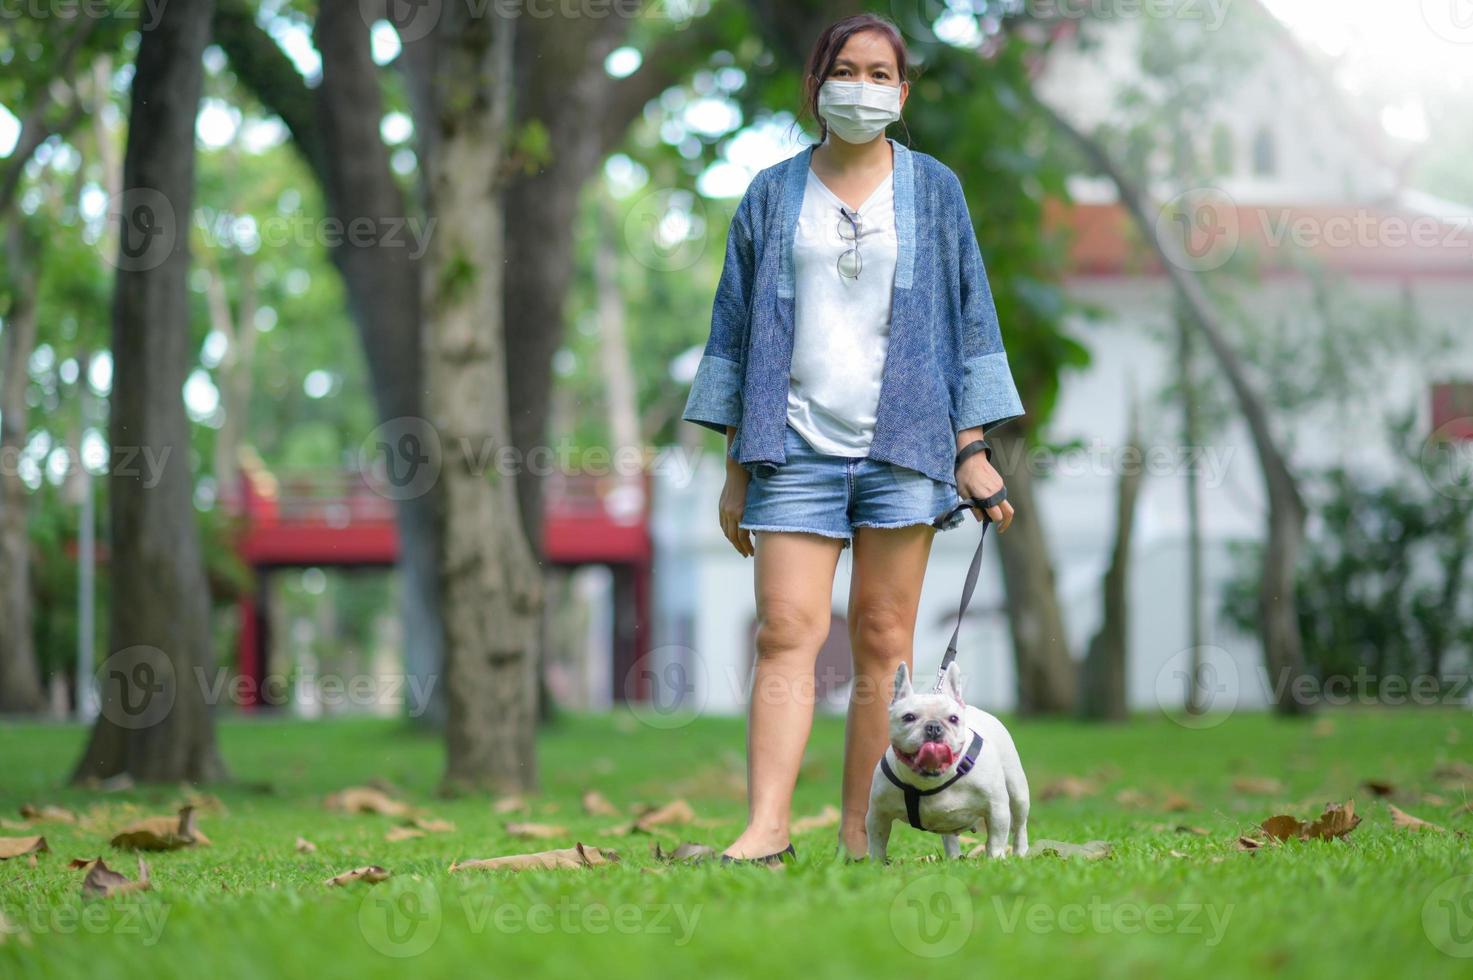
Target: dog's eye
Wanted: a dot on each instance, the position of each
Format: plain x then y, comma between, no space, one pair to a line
908,719
954,720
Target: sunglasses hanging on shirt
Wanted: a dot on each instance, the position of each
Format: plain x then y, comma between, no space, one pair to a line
849,260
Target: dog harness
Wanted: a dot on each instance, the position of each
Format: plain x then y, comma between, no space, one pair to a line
913,795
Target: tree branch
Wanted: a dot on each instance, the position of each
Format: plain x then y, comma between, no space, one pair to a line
270,75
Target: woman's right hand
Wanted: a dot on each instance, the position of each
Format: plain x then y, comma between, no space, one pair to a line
733,502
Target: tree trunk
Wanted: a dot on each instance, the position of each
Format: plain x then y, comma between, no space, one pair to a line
1196,578
1103,696
236,368
336,130
1047,676
489,580
1283,645
20,677
621,397
156,724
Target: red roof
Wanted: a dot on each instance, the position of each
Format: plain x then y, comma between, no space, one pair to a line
1353,239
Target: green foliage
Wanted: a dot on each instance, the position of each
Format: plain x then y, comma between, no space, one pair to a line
971,114
1383,582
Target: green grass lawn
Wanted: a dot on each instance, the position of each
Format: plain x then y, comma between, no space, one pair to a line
1166,902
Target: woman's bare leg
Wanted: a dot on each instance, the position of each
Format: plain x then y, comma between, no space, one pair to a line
795,585
884,592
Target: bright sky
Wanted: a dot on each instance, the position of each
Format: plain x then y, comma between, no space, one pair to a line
1411,43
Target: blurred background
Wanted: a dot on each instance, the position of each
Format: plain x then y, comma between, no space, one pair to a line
1230,241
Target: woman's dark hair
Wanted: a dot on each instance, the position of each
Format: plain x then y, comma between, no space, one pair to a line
826,51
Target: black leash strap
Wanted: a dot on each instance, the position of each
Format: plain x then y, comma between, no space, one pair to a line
913,795
972,572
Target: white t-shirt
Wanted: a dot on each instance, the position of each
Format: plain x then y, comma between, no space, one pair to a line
841,325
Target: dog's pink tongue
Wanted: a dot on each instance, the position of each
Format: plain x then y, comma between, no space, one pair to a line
933,756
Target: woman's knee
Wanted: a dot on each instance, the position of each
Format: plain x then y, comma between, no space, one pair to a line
785,626
882,633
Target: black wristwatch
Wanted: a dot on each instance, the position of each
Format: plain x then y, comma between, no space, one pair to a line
971,449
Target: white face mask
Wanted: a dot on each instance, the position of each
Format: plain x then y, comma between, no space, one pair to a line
857,112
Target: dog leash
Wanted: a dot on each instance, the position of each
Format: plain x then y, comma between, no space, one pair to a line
969,758
972,572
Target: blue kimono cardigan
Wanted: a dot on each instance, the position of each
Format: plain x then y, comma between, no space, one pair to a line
945,366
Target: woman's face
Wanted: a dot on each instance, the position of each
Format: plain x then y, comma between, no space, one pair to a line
868,57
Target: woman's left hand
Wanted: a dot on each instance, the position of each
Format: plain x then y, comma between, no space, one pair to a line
976,479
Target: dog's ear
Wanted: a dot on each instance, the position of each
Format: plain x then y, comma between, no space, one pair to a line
902,683
951,683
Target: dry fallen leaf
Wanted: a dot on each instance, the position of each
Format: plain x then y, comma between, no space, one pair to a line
1322,728
104,882
304,846
370,875
827,817
536,831
1069,788
432,826
687,853
366,799
676,812
577,856
1402,820
1132,798
1454,774
1336,821
1379,787
1249,844
1195,831
11,847
1283,827
47,812
1258,785
161,833
509,804
1176,803
402,833
595,804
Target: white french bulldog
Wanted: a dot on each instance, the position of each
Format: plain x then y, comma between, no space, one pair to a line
948,766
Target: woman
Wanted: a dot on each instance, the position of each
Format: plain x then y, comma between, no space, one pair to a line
854,365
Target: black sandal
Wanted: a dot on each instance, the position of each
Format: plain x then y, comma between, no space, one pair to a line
771,860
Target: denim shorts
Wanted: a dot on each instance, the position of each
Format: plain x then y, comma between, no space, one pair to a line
833,495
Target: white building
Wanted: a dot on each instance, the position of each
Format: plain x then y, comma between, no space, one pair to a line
1307,177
